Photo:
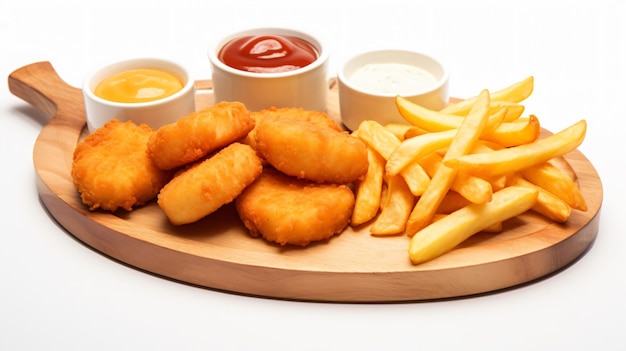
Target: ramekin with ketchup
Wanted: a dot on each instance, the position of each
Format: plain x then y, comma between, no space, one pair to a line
267,67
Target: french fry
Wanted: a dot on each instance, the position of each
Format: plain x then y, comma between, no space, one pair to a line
427,119
413,132
412,149
557,182
485,146
396,209
439,216
517,158
451,202
434,121
499,181
474,189
369,190
445,234
564,166
416,178
385,142
401,130
495,120
417,147
516,92
464,140
431,162
495,228
521,131
468,168
378,137
514,110
547,204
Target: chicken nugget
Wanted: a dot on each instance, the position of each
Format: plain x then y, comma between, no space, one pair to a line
207,185
199,133
112,170
286,210
308,151
315,117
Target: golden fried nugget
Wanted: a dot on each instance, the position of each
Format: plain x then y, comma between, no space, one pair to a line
287,210
207,185
315,117
198,134
308,151
112,170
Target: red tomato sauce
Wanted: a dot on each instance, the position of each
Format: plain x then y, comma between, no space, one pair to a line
268,53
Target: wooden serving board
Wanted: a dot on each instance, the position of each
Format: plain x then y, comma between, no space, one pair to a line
218,253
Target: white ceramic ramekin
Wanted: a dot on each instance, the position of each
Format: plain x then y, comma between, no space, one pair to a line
305,87
357,103
153,113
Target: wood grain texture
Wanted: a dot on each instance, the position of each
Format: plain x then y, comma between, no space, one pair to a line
218,253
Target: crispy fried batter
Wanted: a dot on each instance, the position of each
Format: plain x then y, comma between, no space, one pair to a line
198,134
207,185
315,117
287,210
112,170
305,150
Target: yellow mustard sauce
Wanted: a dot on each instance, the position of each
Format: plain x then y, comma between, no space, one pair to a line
138,85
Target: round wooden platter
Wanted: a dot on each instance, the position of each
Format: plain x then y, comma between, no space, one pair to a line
218,253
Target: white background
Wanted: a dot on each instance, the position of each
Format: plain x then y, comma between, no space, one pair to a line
58,294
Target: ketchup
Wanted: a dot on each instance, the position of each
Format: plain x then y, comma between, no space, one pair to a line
267,53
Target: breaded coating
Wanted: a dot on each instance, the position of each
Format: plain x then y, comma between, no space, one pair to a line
286,210
308,151
207,185
315,117
112,170
198,134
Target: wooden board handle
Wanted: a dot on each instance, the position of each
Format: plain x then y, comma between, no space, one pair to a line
40,85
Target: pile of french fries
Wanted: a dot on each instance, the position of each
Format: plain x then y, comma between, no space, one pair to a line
449,174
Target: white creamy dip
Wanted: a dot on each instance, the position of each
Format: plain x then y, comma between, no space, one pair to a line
392,78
